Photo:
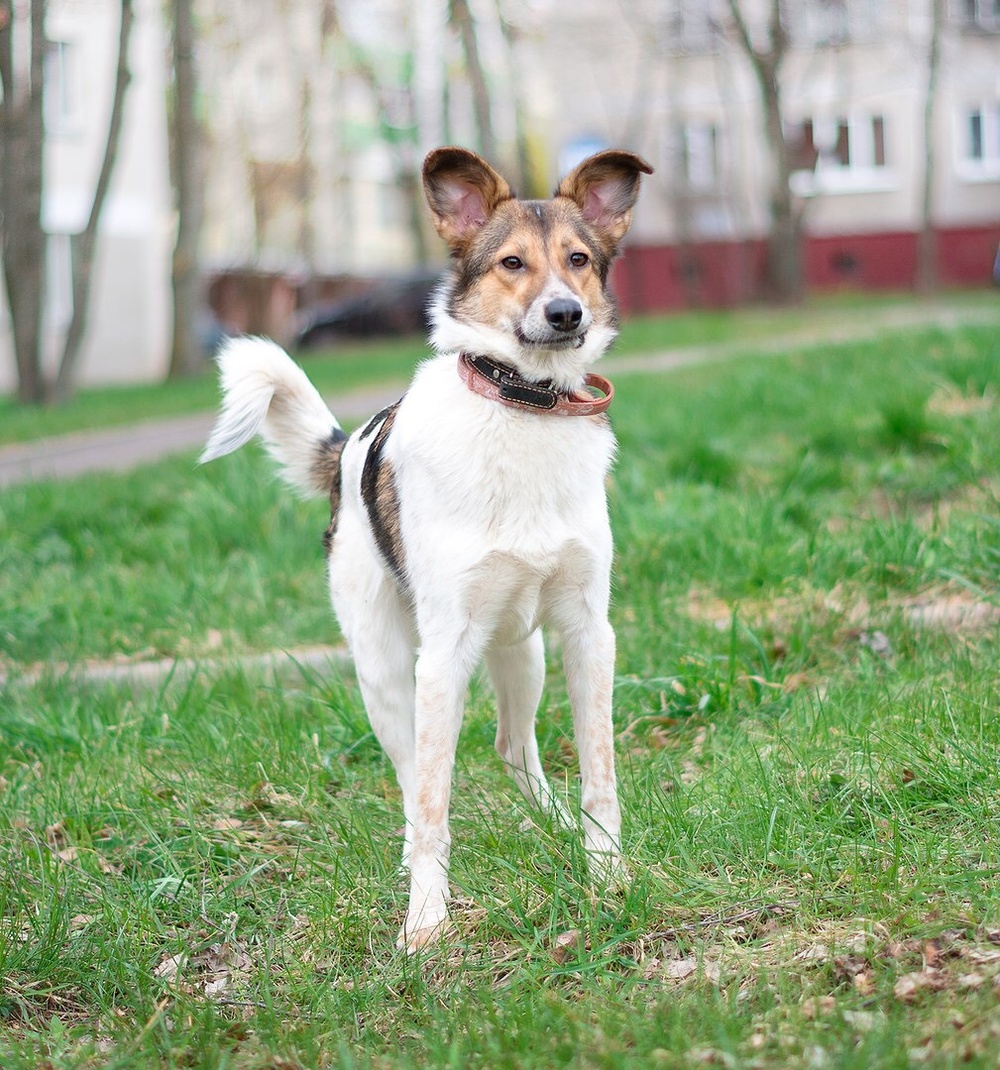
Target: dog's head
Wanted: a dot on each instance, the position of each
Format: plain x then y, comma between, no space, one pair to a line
529,285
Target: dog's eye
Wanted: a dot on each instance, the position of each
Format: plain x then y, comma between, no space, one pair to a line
579,259
512,263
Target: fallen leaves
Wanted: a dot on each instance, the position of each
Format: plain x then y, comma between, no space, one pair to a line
210,971
566,946
911,986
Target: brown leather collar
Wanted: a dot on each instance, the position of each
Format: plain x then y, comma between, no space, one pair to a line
499,382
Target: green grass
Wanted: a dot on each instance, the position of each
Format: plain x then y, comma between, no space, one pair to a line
204,874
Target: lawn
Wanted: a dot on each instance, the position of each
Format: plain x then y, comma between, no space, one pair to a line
807,600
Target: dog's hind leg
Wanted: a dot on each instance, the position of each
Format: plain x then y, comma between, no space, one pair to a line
377,626
384,659
518,676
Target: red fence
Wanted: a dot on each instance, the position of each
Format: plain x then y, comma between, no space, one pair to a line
652,278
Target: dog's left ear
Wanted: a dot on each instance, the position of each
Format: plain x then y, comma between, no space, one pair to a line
606,187
463,191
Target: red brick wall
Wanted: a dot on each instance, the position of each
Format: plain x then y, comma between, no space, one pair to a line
721,274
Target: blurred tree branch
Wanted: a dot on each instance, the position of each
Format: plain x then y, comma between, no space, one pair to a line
85,243
22,135
185,144
784,262
926,267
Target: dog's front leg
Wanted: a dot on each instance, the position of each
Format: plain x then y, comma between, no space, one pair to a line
589,658
440,696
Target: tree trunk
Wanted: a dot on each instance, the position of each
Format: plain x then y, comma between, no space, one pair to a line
525,176
461,17
185,352
22,137
85,243
784,245
405,163
926,267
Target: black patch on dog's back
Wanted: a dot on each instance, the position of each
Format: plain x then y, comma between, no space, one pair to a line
379,493
328,463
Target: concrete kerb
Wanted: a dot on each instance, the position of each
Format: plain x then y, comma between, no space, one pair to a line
120,449
278,665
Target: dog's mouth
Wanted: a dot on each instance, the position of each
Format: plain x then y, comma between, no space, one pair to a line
552,341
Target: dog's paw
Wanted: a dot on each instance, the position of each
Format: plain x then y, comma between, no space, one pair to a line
608,869
422,933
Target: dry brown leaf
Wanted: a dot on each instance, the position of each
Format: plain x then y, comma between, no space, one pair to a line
818,953
863,1021
911,986
818,1007
566,946
225,824
680,969
864,983
214,989
268,797
55,835
168,967
796,681
982,956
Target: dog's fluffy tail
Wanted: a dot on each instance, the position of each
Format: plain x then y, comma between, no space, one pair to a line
265,392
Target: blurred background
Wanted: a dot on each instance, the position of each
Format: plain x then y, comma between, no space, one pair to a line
172,171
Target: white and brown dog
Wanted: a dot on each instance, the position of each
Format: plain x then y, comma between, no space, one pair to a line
473,511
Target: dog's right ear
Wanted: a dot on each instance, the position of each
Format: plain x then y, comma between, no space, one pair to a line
463,191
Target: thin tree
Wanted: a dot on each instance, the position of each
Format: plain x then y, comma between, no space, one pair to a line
926,266
460,16
85,243
22,136
185,144
399,134
784,246
22,140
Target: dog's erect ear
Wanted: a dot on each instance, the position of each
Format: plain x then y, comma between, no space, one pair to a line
606,187
462,191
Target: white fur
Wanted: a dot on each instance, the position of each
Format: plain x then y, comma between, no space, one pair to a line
266,393
505,528
565,367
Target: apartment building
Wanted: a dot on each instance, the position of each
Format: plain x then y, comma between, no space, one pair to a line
316,115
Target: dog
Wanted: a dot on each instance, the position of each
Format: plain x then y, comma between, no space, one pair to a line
473,511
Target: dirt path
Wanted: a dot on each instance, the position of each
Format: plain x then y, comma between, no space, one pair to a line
119,449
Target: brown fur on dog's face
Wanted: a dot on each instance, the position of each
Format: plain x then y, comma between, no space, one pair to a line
527,254
514,259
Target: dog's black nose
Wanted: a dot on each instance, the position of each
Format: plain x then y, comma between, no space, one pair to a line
564,313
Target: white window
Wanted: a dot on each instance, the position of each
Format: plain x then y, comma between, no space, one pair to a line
830,23
979,143
700,154
62,101
977,15
692,27
847,153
